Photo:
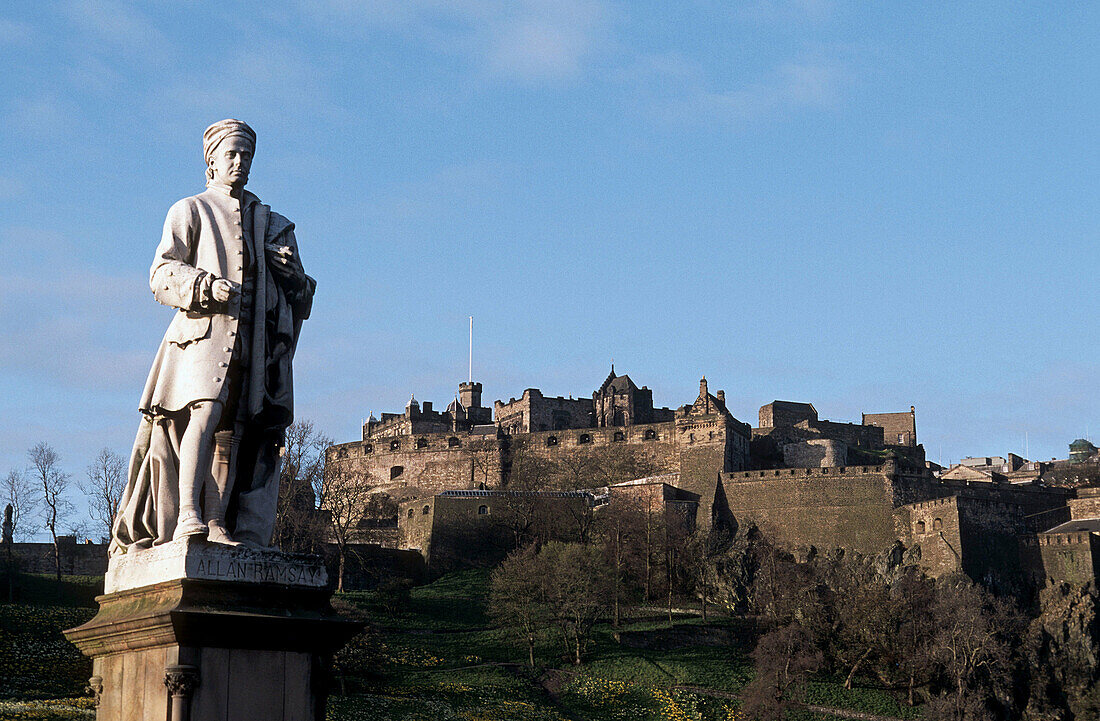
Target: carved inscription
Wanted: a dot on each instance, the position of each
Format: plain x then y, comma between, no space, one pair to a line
259,571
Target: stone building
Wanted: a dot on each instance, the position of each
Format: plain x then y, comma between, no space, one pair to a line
898,429
778,414
458,474
543,442
619,402
458,528
834,485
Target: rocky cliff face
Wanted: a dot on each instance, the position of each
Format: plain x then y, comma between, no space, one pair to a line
1063,648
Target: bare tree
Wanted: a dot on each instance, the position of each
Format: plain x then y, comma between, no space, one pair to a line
343,497
298,527
578,589
103,488
53,482
972,647
621,526
18,492
784,657
517,596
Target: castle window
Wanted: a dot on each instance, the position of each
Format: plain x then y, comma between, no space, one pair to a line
426,510
619,436
453,442
396,472
411,513
342,453
395,445
920,526
368,448
901,438
584,438
483,510
650,434
937,524
552,440
421,442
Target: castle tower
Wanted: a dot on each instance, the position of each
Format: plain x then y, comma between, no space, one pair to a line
469,394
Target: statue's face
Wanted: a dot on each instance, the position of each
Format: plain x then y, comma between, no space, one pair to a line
231,161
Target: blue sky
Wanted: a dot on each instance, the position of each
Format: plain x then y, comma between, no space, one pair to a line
865,206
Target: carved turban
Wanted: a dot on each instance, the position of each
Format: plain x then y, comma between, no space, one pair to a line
221,130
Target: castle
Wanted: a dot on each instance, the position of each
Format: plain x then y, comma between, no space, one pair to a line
804,481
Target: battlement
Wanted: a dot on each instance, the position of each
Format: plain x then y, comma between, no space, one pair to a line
785,473
1079,538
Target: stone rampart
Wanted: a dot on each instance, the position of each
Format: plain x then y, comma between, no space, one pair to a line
1069,557
845,507
77,559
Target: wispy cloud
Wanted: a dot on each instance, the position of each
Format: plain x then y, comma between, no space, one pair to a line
59,314
45,116
545,39
792,85
13,32
118,25
516,40
786,11
678,89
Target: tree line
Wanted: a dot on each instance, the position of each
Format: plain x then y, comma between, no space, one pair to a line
42,496
947,645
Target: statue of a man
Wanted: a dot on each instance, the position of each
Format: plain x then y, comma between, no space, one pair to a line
219,395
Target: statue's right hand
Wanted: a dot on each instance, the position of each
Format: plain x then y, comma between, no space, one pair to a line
223,289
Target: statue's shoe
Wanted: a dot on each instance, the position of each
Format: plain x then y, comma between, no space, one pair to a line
218,534
190,525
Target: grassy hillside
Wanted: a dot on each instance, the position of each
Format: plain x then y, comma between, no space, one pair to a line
437,658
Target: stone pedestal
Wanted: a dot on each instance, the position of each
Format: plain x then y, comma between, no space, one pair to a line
196,631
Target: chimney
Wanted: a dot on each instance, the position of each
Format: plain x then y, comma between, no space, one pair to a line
721,398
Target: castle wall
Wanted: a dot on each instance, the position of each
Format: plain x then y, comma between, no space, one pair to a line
535,412
782,413
1069,557
424,464
976,534
816,453
899,429
934,526
77,559
1042,507
607,453
414,525
847,507
1086,505
464,530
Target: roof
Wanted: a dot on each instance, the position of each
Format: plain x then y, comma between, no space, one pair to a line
619,384
1090,525
475,493
669,478
793,405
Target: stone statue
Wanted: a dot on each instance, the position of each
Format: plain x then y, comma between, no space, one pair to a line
219,394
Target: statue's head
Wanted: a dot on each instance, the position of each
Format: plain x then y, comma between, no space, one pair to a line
228,146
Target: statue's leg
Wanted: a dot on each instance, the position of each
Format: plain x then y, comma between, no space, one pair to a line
196,448
258,505
216,498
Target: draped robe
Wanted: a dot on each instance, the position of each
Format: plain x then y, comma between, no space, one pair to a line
206,237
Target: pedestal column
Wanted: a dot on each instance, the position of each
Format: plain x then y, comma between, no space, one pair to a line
197,631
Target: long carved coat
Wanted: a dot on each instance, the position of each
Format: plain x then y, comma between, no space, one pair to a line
204,239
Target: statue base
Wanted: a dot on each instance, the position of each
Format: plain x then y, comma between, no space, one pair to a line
218,633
